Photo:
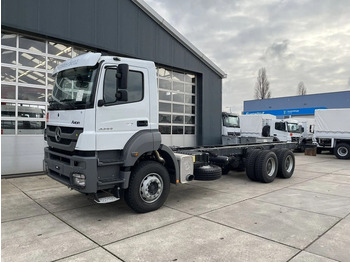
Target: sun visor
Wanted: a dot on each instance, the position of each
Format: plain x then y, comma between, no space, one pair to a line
89,59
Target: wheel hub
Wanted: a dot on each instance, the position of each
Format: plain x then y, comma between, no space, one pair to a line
270,167
289,163
342,151
151,188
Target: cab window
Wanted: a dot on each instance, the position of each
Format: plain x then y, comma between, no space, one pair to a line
135,88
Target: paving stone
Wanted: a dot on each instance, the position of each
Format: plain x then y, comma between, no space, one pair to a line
106,223
17,206
325,187
289,226
41,238
60,199
94,255
335,243
196,239
34,183
308,257
196,200
310,201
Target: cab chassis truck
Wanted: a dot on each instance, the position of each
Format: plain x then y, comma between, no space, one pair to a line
103,138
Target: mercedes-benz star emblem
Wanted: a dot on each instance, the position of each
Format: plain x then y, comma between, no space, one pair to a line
58,132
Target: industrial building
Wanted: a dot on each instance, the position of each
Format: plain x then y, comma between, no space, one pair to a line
298,106
39,35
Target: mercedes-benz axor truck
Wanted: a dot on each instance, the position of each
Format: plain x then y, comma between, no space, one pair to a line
103,138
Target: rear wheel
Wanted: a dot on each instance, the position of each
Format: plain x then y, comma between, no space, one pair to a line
148,187
342,151
286,163
266,166
250,164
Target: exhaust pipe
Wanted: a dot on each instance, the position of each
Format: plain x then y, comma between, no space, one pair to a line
189,177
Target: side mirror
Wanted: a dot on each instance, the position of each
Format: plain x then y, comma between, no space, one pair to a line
122,76
100,103
122,95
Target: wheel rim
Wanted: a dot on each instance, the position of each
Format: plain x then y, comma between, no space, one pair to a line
342,151
271,167
289,163
151,188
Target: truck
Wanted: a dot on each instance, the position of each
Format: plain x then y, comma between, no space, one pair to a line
103,138
230,128
332,131
260,126
307,126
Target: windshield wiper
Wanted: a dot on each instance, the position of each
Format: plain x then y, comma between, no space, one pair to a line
68,102
53,104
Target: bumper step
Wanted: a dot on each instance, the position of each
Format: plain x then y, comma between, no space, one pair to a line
106,200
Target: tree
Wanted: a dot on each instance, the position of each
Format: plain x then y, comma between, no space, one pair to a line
262,85
301,89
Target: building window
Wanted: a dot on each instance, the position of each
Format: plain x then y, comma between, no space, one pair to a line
177,102
27,64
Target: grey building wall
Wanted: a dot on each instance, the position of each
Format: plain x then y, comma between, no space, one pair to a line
327,100
119,27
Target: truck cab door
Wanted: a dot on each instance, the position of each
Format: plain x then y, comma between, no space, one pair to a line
280,131
121,113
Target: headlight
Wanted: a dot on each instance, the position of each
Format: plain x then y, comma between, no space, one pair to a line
79,179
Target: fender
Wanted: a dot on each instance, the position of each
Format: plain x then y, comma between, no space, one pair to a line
170,163
142,142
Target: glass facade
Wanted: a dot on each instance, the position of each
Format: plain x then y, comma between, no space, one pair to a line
27,64
177,102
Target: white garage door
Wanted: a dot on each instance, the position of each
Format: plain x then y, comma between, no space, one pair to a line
177,107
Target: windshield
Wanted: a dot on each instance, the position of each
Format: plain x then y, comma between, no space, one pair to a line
231,121
293,128
73,89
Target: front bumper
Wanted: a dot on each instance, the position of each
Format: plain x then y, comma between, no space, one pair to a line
61,167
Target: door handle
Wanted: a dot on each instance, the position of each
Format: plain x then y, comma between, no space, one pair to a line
142,123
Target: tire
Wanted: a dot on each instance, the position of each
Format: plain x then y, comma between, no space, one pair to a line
266,131
149,187
286,163
276,151
266,166
250,164
342,151
208,172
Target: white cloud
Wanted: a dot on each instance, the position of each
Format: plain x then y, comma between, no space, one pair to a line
305,40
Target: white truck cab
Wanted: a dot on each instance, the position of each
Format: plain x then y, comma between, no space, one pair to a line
230,124
266,125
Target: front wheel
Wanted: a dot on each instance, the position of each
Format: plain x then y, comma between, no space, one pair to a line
342,151
149,187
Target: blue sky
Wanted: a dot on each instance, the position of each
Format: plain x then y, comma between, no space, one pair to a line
304,40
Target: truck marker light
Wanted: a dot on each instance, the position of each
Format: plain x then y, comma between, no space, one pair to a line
177,181
47,117
135,154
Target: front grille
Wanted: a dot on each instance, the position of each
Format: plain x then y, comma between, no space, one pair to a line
295,139
67,130
62,141
68,137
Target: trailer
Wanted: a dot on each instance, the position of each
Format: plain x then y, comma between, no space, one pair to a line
332,131
103,138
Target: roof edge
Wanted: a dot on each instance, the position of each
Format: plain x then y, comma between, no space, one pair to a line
178,36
